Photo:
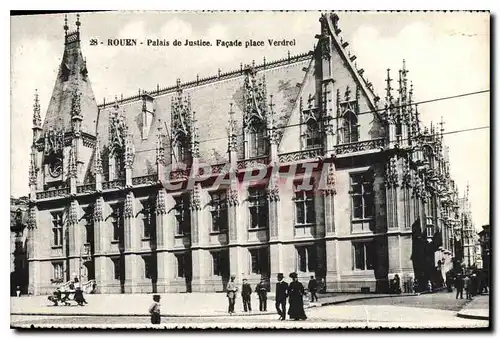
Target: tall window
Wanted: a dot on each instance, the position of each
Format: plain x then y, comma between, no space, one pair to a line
257,143
116,220
149,267
306,258
183,265
57,228
89,230
117,268
257,203
58,271
313,137
182,215
304,207
259,261
350,127
364,255
182,149
148,219
220,263
218,209
362,195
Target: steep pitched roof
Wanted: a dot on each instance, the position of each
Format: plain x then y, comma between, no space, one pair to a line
72,74
211,99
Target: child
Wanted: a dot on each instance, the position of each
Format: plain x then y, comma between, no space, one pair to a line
154,310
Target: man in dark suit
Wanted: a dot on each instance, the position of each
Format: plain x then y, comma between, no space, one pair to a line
281,295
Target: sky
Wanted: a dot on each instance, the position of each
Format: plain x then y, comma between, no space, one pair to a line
446,53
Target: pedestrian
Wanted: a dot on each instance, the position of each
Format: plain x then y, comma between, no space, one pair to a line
397,284
295,298
415,285
79,298
429,286
231,289
313,288
246,291
261,290
154,310
322,286
467,287
473,284
459,285
281,295
18,291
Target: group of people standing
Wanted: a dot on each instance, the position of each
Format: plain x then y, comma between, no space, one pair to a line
294,292
63,295
471,284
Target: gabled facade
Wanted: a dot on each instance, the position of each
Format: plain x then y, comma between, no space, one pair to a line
290,165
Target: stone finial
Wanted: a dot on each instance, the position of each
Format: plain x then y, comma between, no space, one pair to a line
161,208
66,24
160,150
37,120
97,157
32,172
129,153
78,23
72,169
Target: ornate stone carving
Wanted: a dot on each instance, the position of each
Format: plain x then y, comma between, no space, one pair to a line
160,150
75,102
195,198
53,143
231,131
407,174
98,210
253,163
128,211
195,143
32,173
72,169
329,188
32,224
273,191
37,120
254,97
118,131
300,155
129,153
233,197
97,158
360,146
73,213
391,173
161,207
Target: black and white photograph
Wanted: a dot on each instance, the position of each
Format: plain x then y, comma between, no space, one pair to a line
250,170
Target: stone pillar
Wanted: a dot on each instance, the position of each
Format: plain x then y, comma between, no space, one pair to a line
132,244
236,235
276,250
199,237
75,238
102,241
164,242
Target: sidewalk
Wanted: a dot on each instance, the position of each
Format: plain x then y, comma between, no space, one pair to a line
478,308
172,305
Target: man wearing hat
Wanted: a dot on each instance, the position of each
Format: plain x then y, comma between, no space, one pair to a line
281,295
231,289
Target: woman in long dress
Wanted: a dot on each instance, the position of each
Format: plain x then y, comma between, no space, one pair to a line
295,298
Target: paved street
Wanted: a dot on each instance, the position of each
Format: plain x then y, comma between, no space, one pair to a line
425,311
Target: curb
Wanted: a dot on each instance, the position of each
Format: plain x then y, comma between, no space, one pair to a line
327,303
472,316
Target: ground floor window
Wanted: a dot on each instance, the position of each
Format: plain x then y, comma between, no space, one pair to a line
117,268
183,262
306,258
259,261
220,263
58,270
364,255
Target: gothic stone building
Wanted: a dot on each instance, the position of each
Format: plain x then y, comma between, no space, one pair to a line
129,193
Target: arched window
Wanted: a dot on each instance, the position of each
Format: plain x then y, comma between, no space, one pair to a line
182,149
312,136
257,145
350,127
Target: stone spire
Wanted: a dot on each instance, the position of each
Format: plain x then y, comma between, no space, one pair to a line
72,78
231,130
72,170
37,120
97,158
195,143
